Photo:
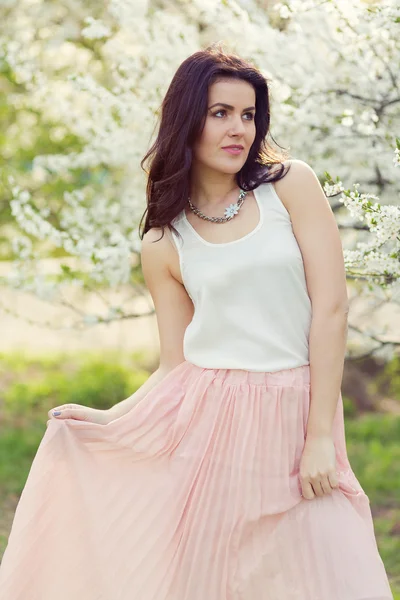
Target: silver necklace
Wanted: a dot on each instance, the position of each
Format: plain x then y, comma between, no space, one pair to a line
230,211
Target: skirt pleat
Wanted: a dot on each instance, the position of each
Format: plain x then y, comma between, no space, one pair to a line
194,494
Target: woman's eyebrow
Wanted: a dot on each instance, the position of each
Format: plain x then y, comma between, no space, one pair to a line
231,107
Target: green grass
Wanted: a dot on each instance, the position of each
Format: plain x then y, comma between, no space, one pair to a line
374,451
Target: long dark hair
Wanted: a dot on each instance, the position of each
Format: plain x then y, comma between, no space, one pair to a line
183,114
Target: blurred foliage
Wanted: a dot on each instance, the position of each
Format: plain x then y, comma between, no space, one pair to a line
373,444
388,381
17,160
91,380
27,132
96,384
349,408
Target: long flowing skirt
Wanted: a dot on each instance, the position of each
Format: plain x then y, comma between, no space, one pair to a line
194,494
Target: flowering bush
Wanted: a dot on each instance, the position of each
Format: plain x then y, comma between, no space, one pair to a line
335,92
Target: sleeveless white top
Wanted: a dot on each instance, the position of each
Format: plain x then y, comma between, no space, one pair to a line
251,306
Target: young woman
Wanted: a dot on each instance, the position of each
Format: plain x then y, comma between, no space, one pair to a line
225,476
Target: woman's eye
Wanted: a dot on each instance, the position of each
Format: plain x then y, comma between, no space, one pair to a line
224,111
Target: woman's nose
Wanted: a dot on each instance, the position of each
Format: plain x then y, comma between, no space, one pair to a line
237,126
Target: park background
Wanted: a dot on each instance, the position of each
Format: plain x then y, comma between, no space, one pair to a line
81,85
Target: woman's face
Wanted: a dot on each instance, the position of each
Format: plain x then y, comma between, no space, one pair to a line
227,125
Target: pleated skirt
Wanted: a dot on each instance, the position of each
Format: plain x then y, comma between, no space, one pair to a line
194,494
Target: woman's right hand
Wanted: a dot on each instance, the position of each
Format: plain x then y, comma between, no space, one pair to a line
81,413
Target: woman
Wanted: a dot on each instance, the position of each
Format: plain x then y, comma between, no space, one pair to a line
225,476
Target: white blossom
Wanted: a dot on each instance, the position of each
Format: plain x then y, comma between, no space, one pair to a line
333,103
95,29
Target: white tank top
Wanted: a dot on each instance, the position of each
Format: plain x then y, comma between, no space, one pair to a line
251,306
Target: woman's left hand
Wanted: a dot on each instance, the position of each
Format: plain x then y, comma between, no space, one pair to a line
318,474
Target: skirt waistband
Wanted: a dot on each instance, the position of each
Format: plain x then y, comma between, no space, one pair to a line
294,376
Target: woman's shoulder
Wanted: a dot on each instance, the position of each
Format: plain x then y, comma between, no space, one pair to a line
298,174
156,242
296,169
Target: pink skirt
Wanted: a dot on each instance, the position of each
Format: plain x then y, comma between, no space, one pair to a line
194,494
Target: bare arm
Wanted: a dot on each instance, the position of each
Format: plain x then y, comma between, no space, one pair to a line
174,310
316,230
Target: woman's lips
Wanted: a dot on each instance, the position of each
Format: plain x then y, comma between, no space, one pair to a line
233,150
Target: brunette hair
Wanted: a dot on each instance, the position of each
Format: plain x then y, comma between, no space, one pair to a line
183,115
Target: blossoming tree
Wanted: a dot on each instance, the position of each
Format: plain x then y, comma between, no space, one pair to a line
97,77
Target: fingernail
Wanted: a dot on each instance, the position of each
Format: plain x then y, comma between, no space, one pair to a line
56,413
